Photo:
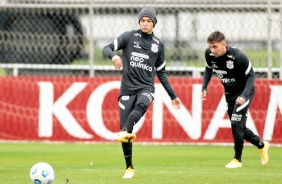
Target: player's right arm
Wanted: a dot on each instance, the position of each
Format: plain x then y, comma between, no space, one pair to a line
207,75
118,44
117,62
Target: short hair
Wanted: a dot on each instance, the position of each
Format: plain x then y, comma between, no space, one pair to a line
216,36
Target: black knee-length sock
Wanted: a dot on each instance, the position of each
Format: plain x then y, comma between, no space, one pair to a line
127,152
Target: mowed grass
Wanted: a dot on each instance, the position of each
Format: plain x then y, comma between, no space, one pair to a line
154,164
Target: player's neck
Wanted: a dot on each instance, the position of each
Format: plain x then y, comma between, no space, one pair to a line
224,51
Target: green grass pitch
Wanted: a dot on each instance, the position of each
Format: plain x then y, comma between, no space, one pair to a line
154,164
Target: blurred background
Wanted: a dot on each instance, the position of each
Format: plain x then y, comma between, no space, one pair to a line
66,37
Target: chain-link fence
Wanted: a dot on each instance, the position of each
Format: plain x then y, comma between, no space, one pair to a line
47,37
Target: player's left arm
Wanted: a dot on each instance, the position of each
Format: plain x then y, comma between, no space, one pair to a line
176,102
161,73
249,73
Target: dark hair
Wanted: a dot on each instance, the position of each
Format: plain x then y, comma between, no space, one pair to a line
216,36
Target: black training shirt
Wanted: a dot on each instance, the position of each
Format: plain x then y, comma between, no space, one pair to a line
142,57
234,70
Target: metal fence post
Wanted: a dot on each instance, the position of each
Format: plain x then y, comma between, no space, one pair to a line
91,40
269,40
280,71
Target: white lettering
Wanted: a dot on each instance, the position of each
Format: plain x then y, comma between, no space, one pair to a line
46,109
140,65
94,111
275,101
135,58
191,124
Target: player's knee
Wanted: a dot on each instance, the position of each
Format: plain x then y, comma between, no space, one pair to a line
141,108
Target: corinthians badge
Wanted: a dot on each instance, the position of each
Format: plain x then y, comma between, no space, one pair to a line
229,64
154,47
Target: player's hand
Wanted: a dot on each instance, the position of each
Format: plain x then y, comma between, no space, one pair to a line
176,103
240,100
117,62
204,95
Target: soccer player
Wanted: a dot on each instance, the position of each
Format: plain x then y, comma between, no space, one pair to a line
143,56
237,76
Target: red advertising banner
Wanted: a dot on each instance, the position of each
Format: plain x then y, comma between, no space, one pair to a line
86,109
